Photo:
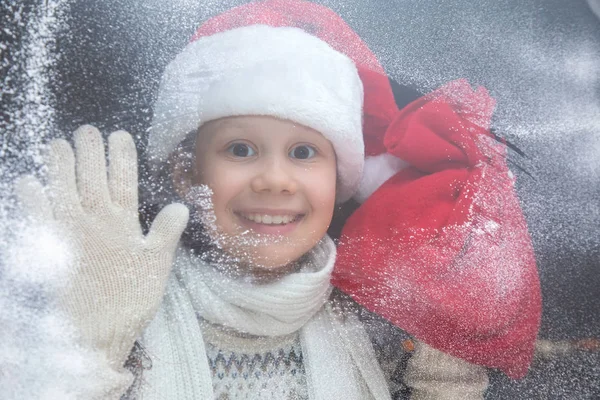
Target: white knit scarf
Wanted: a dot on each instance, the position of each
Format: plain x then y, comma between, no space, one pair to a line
338,357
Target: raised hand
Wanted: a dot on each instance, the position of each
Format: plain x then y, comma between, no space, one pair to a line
119,275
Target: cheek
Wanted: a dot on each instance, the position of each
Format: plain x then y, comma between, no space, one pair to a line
323,193
224,195
224,186
223,181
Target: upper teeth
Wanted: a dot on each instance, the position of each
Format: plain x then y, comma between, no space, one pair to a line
269,219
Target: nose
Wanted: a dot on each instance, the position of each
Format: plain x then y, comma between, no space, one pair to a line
274,176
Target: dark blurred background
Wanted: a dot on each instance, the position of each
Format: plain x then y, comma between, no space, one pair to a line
539,58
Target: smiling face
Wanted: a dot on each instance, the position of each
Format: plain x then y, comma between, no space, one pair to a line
273,184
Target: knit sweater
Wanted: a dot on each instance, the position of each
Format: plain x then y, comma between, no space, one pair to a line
246,366
249,367
252,366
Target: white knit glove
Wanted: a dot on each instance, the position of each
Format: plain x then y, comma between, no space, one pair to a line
119,275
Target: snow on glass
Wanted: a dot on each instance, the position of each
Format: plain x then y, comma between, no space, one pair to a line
38,356
34,262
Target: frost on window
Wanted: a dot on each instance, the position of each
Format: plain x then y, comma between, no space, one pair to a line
65,63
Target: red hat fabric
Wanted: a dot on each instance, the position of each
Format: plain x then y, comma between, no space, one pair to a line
441,249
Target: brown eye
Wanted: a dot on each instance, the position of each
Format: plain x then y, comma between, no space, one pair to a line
241,150
303,152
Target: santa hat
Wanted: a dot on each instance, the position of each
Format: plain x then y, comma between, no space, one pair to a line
439,246
262,70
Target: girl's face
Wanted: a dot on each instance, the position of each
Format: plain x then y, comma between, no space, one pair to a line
273,184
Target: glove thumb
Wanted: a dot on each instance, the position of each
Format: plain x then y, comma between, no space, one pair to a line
167,227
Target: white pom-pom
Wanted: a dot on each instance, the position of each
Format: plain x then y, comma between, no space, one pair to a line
377,170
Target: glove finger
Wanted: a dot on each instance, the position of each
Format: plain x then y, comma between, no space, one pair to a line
32,197
62,184
91,169
122,171
168,227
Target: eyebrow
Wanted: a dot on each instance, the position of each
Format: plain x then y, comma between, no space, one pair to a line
231,123
234,125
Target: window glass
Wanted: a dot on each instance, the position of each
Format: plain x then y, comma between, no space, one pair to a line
65,63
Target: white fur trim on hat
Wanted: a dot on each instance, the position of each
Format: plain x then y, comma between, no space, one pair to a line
261,70
377,170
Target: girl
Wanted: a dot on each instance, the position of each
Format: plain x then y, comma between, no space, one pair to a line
259,129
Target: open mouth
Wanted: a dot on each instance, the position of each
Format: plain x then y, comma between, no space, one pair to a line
266,219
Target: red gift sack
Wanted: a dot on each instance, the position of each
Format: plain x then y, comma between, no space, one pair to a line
441,249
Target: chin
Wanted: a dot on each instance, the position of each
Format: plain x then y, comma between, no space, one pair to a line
268,252
268,262
269,258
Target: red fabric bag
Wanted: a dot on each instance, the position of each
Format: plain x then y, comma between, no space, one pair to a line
441,249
